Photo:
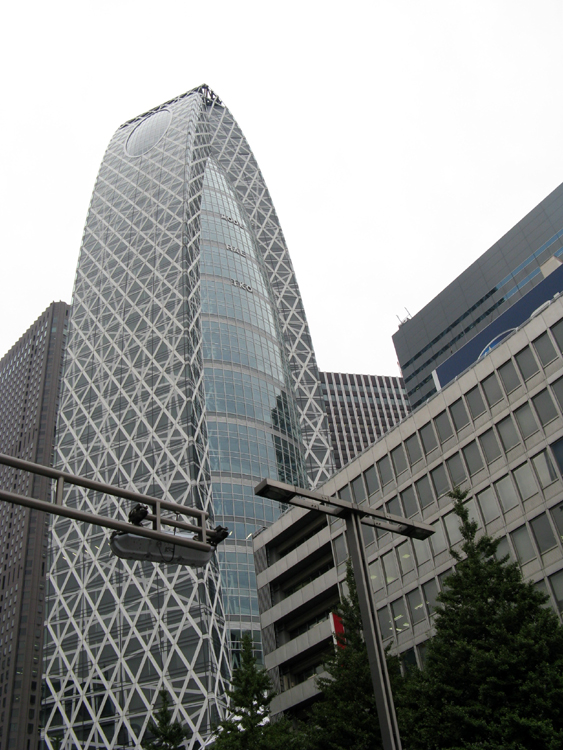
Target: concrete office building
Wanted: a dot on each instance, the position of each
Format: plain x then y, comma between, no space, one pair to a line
496,431
190,375
360,408
489,288
29,385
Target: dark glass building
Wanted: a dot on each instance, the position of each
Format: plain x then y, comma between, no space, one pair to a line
189,374
361,408
502,276
29,385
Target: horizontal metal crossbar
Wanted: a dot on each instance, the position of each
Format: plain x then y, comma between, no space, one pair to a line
155,533
335,506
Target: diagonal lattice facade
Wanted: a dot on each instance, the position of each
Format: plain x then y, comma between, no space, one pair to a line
151,338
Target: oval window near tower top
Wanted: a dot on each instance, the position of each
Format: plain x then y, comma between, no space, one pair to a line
148,133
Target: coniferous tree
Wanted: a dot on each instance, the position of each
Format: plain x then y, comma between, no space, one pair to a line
493,672
345,717
248,727
166,734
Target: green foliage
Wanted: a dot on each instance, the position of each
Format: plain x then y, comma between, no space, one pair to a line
493,673
166,734
345,718
248,727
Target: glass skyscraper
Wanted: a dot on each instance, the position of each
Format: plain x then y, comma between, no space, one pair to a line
189,374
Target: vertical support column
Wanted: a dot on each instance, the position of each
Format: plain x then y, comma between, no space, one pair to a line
376,654
156,522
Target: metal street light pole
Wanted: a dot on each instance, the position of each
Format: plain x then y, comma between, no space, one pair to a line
354,516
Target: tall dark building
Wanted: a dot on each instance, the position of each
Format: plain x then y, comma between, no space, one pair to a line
361,408
522,260
29,385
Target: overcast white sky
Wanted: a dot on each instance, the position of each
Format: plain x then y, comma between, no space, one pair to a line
399,139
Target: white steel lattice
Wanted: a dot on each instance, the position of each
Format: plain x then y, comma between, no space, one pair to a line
132,414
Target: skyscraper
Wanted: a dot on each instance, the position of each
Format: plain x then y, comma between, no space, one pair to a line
189,374
29,385
360,409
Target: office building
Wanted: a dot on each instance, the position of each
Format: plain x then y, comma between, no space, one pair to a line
492,286
29,384
190,375
360,408
496,431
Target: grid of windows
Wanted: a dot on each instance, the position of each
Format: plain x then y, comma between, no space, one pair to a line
360,408
29,382
496,453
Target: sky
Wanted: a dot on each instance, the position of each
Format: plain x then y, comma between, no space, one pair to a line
399,139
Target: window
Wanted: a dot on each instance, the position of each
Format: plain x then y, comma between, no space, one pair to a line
444,427
346,493
459,414
430,590
506,494
544,349
493,393
503,549
368,533
400,618
557,331
544,469
557,448
489,505
421,551
526,421
544,407
509,376
452,522
428,438
475,402
473,458
393,507
456,470
556,581
375,575
508,435
390,567
543,533
557,388
406,558
413,449
525,481
371,480
416,606
527,363
557,516
409,502
385,623
490,446
340,551
424,492
385,470
399,460
358,489
440,480
438,539
523,545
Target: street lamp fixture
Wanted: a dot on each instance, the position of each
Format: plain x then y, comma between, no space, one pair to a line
355,515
